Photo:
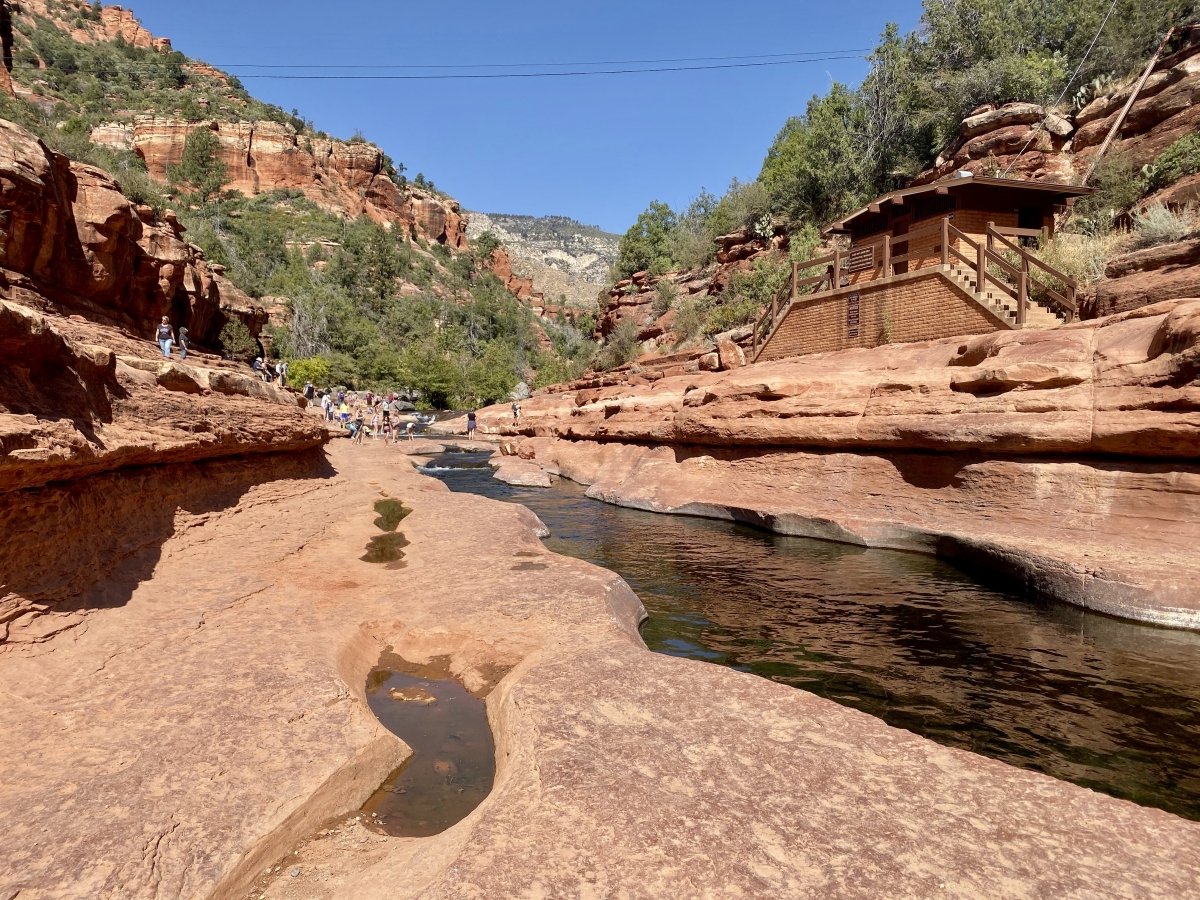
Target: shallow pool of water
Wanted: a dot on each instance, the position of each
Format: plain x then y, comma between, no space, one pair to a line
905,637
453,762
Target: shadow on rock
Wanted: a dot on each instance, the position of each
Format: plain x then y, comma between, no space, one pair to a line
87,545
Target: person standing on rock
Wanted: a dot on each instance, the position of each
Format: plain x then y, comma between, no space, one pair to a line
165,336
471,425
183,341
360,426
516,407
282,370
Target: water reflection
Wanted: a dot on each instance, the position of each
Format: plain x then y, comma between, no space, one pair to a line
910,639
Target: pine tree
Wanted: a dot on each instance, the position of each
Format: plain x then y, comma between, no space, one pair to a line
200,171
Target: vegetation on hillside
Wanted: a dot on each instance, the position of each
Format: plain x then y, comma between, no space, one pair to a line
851,144
365,306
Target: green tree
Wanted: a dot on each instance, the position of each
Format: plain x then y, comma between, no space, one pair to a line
647,244
236,340
200,171
814,169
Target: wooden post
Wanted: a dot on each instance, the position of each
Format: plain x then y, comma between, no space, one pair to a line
945,240
981,267
795,278
774,310
1022,297
836,281
887,256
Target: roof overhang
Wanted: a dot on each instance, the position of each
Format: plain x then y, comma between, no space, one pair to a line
1062,193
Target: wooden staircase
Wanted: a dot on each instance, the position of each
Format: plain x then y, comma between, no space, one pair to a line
1000,304
1018,288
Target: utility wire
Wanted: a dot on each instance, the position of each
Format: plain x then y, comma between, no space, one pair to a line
478,75
1066,87
531,65
574,74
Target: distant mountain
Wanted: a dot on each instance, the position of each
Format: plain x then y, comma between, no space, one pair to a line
563,257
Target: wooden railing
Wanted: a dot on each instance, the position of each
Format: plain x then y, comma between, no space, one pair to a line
987,257
1015,275
1028,266
830,278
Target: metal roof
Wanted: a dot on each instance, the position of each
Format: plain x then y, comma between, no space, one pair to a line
960,180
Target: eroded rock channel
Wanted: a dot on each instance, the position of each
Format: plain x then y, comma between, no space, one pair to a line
910,639
453,762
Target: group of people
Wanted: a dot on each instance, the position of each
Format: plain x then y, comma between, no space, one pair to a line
165,335
368,414
268,372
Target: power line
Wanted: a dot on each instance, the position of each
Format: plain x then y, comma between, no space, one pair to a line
836,55
575,74
530,65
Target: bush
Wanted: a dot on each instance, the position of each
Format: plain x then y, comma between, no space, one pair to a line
1079,256
689,320
1118,185
314,369
622,347
1161,225
664,297
237,342
1179,160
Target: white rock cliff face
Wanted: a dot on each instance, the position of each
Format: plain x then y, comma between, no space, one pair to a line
562,256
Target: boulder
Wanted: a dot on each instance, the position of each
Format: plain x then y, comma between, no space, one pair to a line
729,354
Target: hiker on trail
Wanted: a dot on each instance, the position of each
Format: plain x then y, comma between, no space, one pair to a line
409,429
183,341
359,426
309,390
516,411
165,337
257,366
281,370
471,425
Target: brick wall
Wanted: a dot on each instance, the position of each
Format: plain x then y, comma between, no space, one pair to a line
914,307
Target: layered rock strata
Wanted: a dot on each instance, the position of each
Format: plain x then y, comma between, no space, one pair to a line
344,177
214,714
1064,457
73,242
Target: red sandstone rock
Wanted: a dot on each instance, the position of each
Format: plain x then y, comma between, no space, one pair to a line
76,241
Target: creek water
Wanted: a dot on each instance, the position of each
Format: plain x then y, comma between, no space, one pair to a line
910,639
453,762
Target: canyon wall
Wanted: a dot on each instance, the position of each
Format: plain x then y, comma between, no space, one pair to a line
73,242
342,177
1063,458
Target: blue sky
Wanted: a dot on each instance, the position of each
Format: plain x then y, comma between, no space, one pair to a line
598,149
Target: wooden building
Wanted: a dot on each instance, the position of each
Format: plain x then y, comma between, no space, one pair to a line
927,262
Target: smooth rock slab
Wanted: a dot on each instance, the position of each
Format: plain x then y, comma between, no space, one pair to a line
185,741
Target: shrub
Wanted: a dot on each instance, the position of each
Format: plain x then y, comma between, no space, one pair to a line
664,297
622,347
1161,225
1118,185
237,342
689,320
1079,256
314,369
1179,160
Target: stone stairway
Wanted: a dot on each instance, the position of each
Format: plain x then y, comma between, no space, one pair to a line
1001,304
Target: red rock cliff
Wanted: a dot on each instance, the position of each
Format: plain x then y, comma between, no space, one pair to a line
72,239
342,177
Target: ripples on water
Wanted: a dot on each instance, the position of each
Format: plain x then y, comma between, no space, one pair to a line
905,637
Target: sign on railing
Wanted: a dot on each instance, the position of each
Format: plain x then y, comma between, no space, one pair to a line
853,312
